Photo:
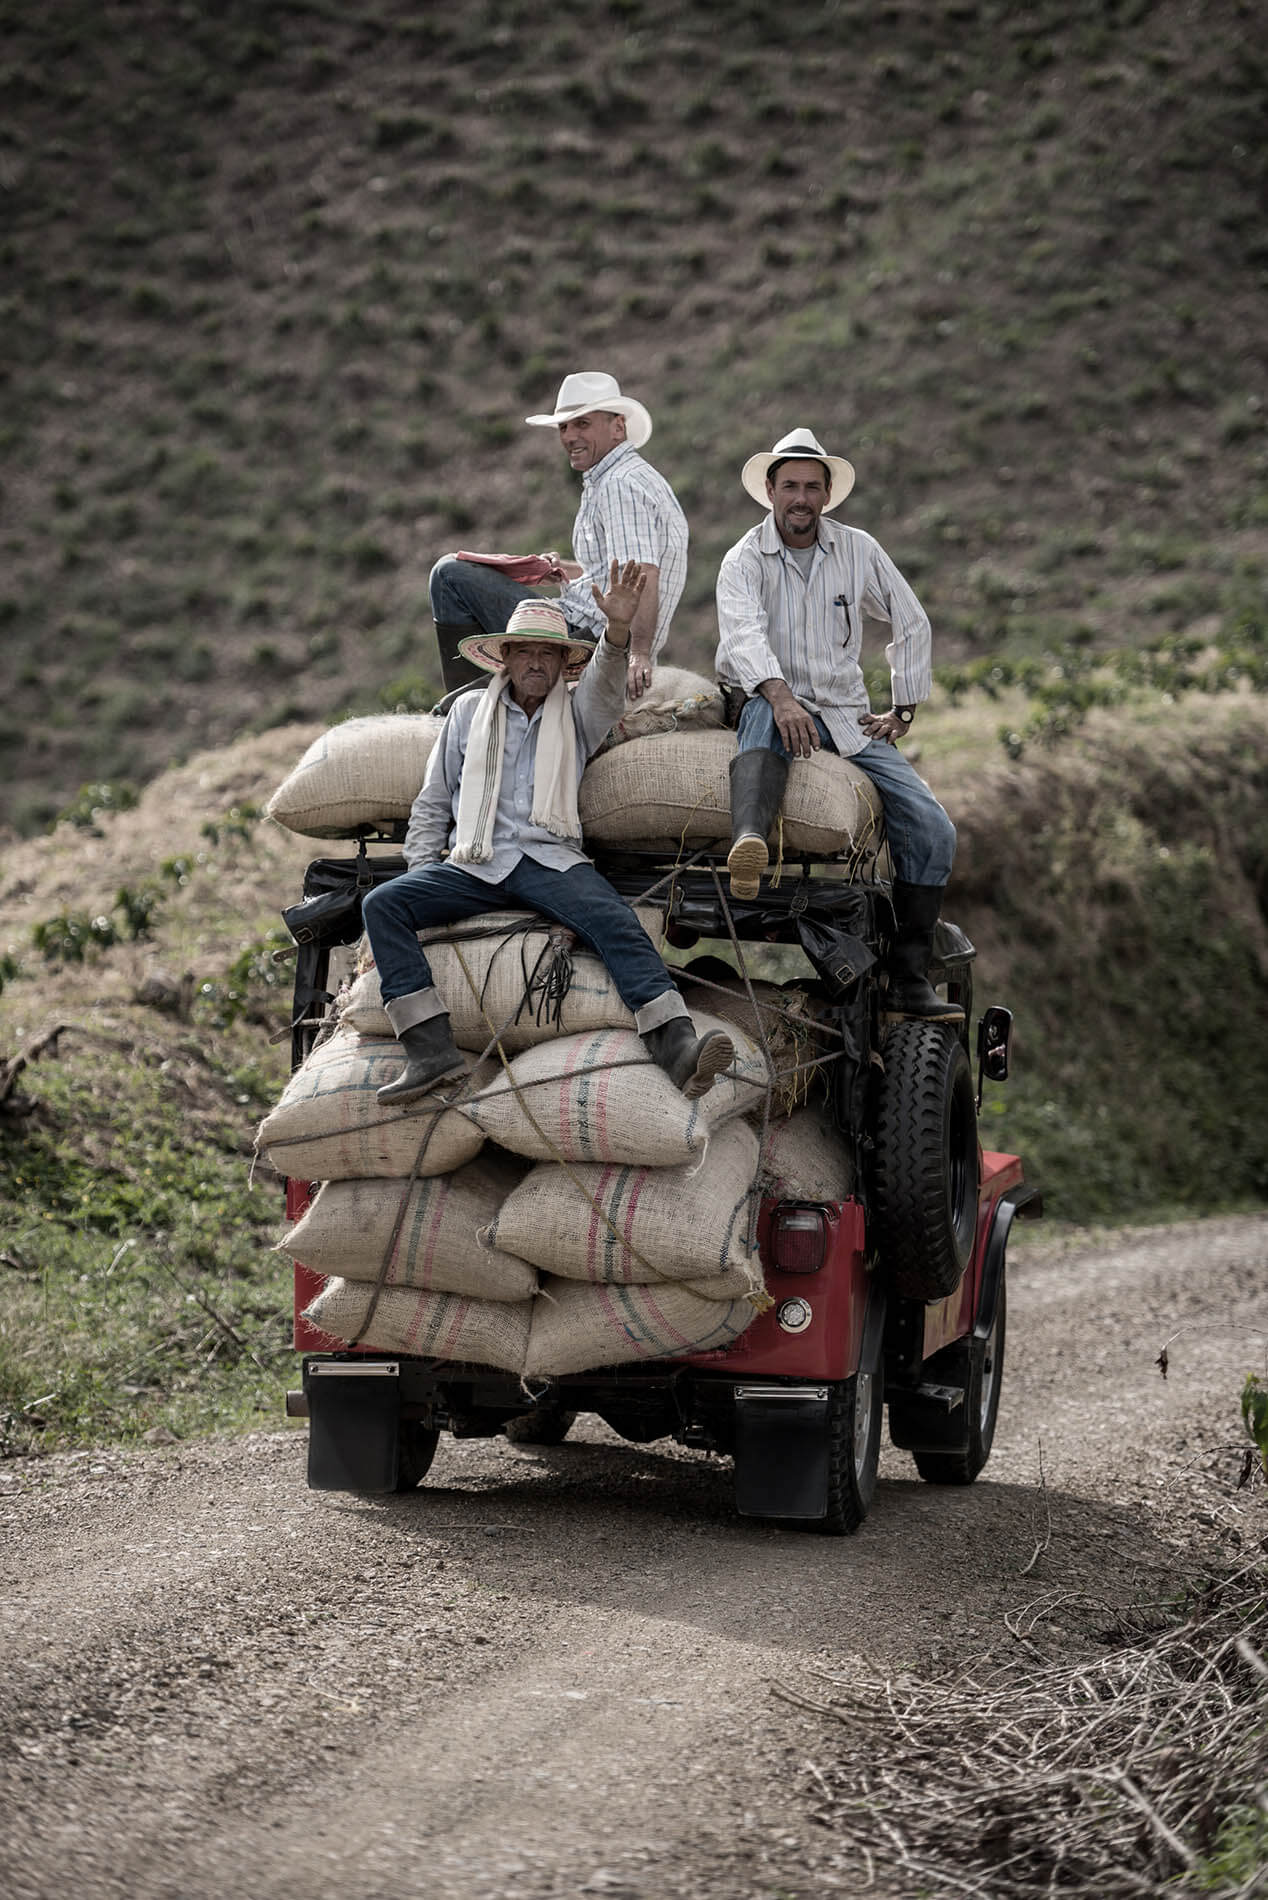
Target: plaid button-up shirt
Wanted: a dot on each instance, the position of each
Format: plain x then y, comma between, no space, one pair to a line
628,512
776,623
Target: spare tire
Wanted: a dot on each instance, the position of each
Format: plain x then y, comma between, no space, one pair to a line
925,1169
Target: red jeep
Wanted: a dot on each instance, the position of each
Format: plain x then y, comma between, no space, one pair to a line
894,1297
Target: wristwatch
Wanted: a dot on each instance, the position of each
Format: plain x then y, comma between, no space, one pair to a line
903,714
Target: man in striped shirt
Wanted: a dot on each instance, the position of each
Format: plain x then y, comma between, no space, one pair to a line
628,512
791,597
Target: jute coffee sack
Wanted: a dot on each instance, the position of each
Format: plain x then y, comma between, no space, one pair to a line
576,1328
675,700
674,789
329,1126
600,1097
424,1231
433,1325
628,1224
491,970
363,772
806,1158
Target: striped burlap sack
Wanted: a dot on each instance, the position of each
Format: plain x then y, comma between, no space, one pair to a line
363,772
600,1097
806,1158
623,1225
425,1232
329,1126
673,789
433,1325
491,971
576,1328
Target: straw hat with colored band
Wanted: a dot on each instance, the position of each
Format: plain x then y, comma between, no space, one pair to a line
799,446
588,390
532,620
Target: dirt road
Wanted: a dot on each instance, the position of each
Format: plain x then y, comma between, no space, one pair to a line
548,1672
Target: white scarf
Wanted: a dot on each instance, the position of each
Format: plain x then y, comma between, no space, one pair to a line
554,776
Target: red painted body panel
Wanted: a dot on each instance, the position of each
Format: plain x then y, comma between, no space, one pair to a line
836,1296
953,1317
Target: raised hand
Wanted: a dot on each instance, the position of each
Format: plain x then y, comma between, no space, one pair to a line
620,604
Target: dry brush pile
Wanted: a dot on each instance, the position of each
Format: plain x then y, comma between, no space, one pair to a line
1142,1771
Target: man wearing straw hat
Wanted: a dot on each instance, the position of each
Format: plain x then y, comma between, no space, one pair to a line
628,512
791,598
500,796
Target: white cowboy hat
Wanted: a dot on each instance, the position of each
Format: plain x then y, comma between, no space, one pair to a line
531,620
799,446
587,390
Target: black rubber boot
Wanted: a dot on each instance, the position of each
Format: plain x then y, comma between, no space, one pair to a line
454,670
430,1057
757,789
910,993
692,1063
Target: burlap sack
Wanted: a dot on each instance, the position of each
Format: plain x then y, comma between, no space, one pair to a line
675,700
673,789
623,1225
363,772
576,1328
806,1158
599,1097
328,1125
507,981
350,1225
433,1325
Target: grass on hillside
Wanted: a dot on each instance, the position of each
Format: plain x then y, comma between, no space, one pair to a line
280,286
140,1295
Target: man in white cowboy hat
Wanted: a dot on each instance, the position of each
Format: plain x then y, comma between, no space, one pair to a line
628,512
500,798
791,596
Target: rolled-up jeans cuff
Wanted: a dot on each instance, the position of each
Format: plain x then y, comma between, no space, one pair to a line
661,1010
406,1012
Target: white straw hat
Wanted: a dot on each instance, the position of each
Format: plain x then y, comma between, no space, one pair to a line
587,390
799,446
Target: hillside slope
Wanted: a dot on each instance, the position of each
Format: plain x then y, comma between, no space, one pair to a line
279,285
1117,894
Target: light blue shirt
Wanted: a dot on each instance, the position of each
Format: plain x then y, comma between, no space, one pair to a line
597,702
774,622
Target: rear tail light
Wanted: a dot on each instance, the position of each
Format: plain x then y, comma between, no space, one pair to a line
799,1238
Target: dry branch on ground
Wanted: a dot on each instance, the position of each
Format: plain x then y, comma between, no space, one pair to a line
1111,1776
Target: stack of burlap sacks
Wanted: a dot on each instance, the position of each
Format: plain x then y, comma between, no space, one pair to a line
565,1207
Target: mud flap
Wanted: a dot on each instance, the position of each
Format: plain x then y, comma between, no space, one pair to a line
354,1423
781,1451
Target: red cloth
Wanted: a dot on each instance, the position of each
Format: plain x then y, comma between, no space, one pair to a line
525,568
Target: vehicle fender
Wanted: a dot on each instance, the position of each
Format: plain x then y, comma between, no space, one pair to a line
1007,1209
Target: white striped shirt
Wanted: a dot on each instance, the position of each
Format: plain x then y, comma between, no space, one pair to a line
628,512
775,623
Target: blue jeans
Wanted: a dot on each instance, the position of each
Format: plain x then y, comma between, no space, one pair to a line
920,835
465,590
434,894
